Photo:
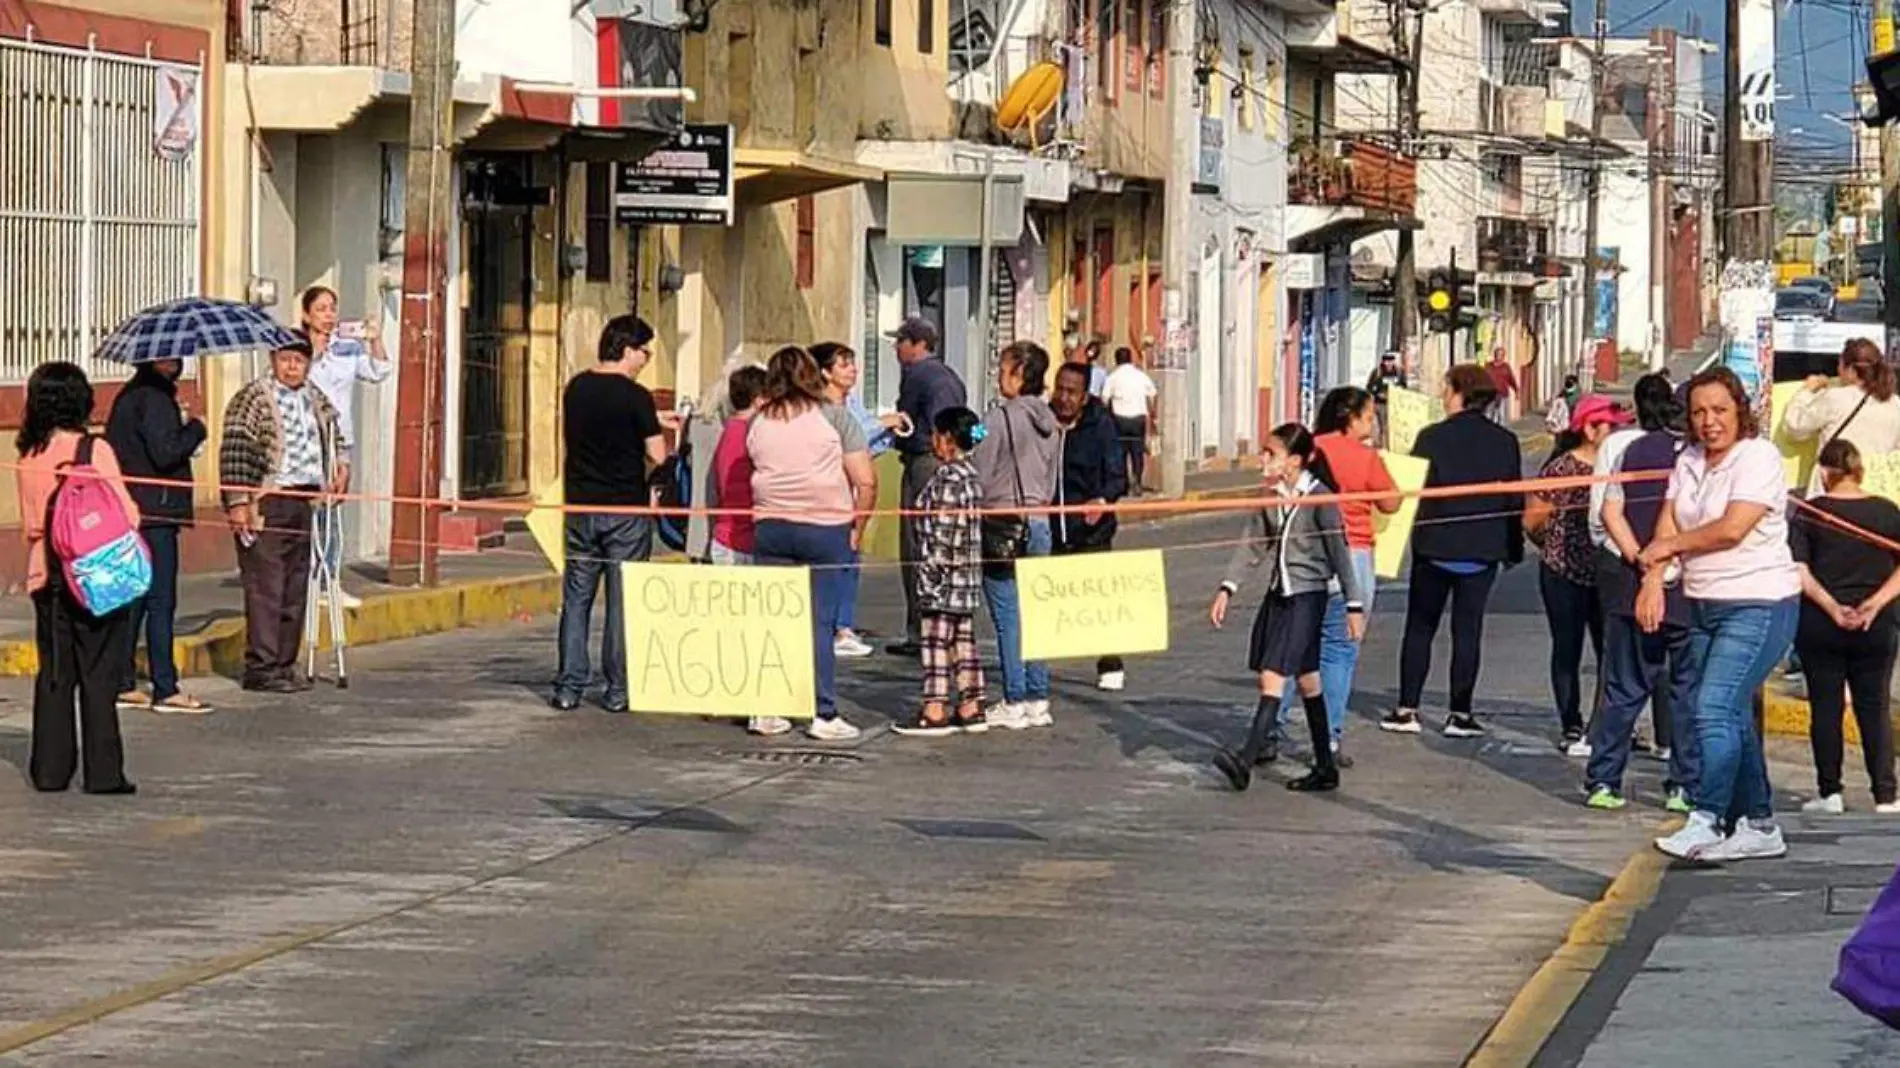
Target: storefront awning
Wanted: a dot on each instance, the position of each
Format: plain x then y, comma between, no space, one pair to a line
318,99
771,175
1311,228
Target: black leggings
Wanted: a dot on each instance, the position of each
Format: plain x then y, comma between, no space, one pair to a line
1431,587
1838,662
1573,611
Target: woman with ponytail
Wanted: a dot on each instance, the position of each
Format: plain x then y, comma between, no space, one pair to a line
1861,411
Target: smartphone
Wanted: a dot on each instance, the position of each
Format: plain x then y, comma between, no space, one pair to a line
351,329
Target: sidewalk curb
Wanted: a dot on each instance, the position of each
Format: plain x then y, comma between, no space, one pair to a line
218,649
1540,1005
1790,716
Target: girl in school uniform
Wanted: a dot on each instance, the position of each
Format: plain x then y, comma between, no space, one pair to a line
1302,547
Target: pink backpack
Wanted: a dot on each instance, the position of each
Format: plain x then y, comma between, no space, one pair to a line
106,563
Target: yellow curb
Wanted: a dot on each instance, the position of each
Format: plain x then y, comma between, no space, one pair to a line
1786,714
1533,1015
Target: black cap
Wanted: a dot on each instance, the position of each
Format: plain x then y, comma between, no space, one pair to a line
299,343
916,328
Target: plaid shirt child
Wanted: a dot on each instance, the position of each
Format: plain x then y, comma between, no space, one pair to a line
949,575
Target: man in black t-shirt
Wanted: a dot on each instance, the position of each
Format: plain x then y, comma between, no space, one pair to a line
612,434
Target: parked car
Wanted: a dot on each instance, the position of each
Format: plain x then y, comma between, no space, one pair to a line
1794,304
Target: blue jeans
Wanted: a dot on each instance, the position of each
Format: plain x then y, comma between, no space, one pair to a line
823,549
596,545
1639,668
1021,682
848,595
156,614
1733,645
1338,653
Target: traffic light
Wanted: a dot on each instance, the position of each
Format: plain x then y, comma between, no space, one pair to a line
1464,295
1440,298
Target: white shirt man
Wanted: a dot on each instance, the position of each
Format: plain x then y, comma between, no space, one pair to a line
1128,392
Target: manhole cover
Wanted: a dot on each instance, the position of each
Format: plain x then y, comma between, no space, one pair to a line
797,756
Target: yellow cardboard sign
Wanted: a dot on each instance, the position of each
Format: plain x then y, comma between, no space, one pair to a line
1797,457
1406,413
1096,604
1391,533
719,641
1882,477
549,525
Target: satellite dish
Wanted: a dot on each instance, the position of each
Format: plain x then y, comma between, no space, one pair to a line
1030,98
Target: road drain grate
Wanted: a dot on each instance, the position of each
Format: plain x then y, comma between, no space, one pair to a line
805,757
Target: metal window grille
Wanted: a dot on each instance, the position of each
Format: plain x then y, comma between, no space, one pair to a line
94,223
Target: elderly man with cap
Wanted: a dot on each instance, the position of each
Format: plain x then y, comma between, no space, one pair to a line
280,451
926,386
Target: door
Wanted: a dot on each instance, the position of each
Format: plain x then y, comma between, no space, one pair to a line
497,221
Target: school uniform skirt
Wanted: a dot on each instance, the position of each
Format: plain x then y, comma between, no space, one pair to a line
1286,634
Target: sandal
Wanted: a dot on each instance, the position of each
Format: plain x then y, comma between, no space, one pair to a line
970,718
922,726
134,701
182,704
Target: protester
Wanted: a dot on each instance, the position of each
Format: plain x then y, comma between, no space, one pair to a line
279,455
1305,548
1458,544
338,365
1380,383
1017,462
839,364
1342,435
1861,411
1557,419
1130,396
812,491
612,435
1847,630
154,440
1092,474
1726,526
732,529
1640,666
950,582
926,388
79,653
1503,385
1558,521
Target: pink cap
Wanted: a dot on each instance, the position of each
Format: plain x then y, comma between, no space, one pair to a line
1596,408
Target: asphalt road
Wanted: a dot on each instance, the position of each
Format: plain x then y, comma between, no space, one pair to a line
432,868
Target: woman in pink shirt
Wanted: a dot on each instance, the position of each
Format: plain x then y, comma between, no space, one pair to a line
1727,528
77,650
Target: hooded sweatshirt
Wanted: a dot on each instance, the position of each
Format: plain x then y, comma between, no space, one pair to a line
1037,452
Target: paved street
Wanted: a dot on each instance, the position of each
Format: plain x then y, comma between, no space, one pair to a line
434,869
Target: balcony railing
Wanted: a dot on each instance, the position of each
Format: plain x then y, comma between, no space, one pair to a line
1512,246
1353,172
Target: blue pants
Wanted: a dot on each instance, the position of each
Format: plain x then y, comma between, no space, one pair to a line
1021,682
848,594
823,549
1338,653
596,545
1639,668
156,614
1733,645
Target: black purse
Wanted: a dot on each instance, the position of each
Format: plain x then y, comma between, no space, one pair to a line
1006,537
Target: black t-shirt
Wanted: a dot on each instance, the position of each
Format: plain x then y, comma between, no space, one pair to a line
607,421
1846,565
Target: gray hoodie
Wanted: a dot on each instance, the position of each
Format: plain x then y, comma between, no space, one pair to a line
1038,452
1303,549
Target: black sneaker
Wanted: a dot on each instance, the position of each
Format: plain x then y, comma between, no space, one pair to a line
1464,726
563,702
1318,780
920,726
1237,772
1399,721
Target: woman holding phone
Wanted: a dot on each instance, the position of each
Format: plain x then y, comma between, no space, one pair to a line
345,352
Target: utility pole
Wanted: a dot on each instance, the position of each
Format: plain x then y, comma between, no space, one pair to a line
1662,128
1408,36
1177,212
1889,195
1748,231
427,213
1593,188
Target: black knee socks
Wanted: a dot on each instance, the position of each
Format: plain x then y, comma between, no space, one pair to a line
1322,732
1265,719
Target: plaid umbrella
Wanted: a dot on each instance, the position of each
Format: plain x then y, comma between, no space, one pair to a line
195,326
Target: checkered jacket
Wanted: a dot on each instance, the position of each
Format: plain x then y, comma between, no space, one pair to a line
253,446
950,542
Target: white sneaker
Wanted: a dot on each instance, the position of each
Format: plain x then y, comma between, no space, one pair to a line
1578,748
1696,835
768,726
1831,805
1888,808
850,646
835,729
1748,842
1112,681
1036,714
1006,715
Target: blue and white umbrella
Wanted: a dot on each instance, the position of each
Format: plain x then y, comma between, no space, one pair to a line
195,326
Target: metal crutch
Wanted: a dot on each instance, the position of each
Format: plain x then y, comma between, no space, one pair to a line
330,574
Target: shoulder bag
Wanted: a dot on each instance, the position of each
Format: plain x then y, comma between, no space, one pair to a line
1006,537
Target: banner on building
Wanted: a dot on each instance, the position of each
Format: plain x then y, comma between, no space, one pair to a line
709,640
1755,35
175,113
1609,266
684,183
